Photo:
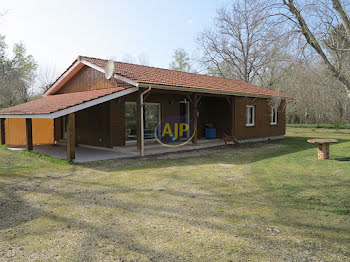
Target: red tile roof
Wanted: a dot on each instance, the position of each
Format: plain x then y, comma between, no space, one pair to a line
159,76
53,103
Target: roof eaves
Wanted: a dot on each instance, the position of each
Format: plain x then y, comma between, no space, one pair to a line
74,108
74,65
208,91
78,64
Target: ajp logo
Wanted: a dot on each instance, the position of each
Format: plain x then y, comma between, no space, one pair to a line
174,131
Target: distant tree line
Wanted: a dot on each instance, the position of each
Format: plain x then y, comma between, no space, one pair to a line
301,48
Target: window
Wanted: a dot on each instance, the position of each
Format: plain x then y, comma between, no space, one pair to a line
250,116
151,118
273,116
130,121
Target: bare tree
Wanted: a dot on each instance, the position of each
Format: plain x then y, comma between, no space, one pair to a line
46,76
320,22
243,42
317,98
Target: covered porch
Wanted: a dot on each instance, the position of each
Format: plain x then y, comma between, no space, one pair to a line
97,126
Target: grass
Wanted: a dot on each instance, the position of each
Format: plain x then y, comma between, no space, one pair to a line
270,201
45,157
328,126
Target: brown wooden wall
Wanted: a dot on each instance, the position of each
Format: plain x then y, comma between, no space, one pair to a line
87,79
93,125
58,128
104,124
262,127
117,124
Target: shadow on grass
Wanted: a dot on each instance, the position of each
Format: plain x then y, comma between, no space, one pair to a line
17,211
289,145
14,211
341,158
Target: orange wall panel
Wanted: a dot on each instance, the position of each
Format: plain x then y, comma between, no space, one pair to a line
15,131
43,131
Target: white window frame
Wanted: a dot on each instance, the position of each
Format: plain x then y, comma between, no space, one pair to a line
273,111
247,115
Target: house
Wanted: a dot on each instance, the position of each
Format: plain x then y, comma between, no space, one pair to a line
84,107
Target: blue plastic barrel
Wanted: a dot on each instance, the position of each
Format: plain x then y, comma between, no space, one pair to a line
210,133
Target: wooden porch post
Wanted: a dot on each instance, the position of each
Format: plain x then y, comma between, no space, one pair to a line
71,137
233,116
195,118
29,133
2,131
138,120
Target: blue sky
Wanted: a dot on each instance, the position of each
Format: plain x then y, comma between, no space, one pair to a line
56,32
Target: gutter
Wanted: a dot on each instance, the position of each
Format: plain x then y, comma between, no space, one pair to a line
206,91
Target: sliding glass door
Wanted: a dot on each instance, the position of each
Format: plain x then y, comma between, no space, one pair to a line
151,117
130,121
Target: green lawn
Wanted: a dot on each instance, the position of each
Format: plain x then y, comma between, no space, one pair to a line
270,201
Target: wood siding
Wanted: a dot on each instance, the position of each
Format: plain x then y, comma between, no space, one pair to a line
87,79
58,128
262,127
117,120
93,126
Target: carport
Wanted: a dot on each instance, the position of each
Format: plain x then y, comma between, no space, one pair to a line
56,106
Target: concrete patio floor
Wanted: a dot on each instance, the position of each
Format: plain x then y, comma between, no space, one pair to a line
157,149
89,154
82,154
